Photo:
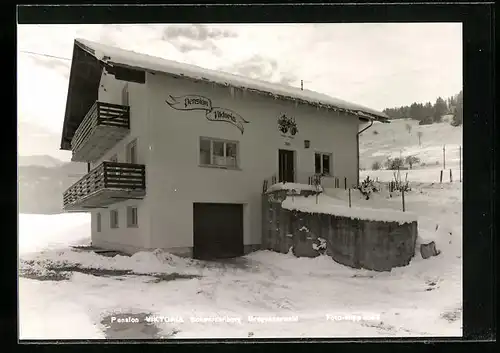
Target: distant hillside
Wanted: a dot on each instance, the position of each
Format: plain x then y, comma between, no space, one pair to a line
42,181
39,160
397,139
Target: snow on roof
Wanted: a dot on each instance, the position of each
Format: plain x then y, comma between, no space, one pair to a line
329,205
114,55
294,186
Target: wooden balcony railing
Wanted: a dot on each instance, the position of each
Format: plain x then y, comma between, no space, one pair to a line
105,185
111,121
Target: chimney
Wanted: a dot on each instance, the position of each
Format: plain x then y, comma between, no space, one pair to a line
301,85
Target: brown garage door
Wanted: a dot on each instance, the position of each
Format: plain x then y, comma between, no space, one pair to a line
218,230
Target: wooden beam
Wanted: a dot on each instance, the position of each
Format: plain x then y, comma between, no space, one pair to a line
128,74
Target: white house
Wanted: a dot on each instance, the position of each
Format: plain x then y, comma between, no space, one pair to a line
177,155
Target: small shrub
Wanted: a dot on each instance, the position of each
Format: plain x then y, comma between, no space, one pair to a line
367,187
394,164
397,184
375,132
411,160
456,121
376,165
426,121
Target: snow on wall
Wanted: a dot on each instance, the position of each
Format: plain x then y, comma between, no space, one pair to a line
294,186
113,55
331,206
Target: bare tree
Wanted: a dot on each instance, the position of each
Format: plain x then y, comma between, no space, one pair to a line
419,134
408,128
411,160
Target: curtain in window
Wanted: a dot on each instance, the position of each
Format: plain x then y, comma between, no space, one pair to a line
205,152
326,164
231,154
317,163
218,150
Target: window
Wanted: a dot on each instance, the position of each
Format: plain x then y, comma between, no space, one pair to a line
113,219
98,221
125,95
218,152
322,163
132,152
113,159
132,217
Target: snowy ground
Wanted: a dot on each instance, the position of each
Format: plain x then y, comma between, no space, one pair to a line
64,293
422,299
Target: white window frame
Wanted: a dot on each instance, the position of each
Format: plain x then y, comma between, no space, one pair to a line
112,225
225,142
330,155
98,222
131,222
130,145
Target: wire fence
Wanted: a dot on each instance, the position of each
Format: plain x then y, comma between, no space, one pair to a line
433,164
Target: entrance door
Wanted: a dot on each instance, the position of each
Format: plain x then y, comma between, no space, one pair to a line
218,230
286,165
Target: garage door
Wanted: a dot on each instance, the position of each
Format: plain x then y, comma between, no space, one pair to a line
218,230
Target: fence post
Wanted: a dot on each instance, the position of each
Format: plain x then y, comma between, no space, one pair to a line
451,177
460,162
403,198
345,183
441,176
349,197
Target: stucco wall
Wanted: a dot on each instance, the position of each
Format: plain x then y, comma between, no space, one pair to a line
122,238
110,91
175,179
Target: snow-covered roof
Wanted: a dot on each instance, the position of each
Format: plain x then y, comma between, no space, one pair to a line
120,57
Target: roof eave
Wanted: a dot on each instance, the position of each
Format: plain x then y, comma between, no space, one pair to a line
65,145
74,84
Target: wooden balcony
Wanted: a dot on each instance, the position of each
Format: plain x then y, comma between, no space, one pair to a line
102,127
105,185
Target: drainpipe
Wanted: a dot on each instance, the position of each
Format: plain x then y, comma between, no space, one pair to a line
357,146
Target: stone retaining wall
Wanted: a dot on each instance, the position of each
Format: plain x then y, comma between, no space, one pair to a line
373,245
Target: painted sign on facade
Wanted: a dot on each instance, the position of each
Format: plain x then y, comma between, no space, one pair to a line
287,127
194,102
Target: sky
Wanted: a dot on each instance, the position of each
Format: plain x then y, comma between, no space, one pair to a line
375,65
